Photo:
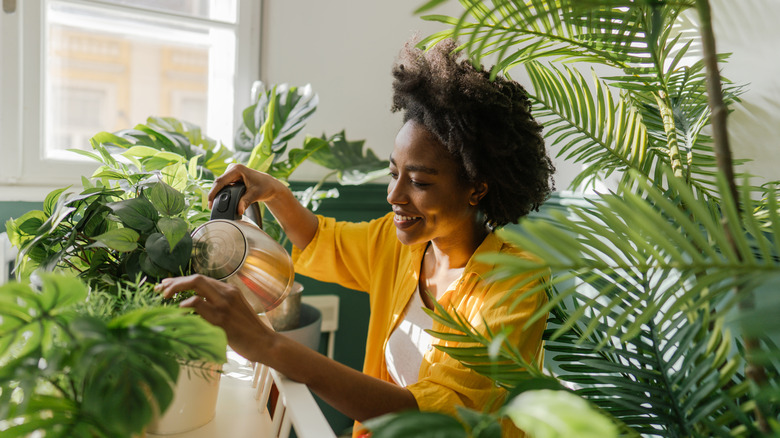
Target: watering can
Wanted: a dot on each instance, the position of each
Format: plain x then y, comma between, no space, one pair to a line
233,249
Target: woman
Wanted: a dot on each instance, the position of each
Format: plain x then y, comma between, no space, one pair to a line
469,158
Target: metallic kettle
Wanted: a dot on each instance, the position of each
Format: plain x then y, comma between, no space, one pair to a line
237,251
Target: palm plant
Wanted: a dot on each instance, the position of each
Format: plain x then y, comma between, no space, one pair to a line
646,281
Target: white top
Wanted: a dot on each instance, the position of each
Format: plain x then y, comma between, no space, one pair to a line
408,343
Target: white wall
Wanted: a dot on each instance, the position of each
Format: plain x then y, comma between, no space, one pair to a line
748,29
345,49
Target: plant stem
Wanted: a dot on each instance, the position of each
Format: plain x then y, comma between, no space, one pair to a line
665,108
718,110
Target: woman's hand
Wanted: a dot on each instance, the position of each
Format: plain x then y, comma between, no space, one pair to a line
260,187
223,305
355,394
298,222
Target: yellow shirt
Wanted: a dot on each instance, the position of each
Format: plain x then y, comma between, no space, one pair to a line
368,256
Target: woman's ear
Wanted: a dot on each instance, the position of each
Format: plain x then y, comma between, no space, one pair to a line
479,192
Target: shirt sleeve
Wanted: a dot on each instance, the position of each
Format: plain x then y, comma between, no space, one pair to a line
341,252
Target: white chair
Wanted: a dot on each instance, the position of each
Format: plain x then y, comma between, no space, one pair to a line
328,305
7,258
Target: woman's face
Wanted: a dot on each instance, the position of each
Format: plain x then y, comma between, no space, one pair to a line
429,198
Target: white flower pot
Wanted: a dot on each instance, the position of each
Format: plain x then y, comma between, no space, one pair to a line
194,400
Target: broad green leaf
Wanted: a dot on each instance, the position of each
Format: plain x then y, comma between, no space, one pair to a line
136,213
546,413
140,152
107,138
51,200
175,260
176,176
352,163
119,239
415,424
173,229
28,317
25,227
166,199
136,366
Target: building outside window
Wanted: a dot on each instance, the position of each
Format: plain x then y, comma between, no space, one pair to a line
85,66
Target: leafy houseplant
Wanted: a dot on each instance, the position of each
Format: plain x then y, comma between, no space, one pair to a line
73,367
652,287
128,227
134,216
275,117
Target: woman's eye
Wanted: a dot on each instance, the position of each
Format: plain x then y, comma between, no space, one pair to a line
419,184
393,175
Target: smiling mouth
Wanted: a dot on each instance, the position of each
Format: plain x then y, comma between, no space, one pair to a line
405,219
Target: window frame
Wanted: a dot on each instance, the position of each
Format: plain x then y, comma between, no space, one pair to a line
25,174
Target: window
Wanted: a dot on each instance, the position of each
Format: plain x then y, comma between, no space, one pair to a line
72,68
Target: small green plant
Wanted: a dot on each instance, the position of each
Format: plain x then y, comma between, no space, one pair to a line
72,365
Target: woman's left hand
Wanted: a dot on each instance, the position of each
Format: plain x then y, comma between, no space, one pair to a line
223,305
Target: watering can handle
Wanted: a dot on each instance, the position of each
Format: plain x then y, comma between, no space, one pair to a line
225,204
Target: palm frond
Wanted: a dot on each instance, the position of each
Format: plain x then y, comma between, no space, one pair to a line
642,287
485,352
686,88
519,31
591,126
679,257
662,382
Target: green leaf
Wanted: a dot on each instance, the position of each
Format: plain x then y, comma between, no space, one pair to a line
176,176
558,414
28,318
415,424
352,163
51,200
136,213
131,361
166,199
173,229
428,6
173,261
119,239
107,138
25,227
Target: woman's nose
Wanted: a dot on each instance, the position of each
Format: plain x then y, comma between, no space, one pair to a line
395,193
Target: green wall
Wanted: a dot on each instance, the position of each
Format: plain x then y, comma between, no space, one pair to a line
15,209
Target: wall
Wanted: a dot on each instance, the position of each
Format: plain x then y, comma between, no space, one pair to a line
10,210
345,49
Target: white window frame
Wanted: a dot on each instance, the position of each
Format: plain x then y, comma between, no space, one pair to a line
25,174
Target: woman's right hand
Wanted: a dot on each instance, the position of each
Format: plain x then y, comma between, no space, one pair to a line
260,187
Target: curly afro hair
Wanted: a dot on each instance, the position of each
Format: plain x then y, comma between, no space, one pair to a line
485,124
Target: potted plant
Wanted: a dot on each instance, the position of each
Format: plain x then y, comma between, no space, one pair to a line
652,314
130,223
80,362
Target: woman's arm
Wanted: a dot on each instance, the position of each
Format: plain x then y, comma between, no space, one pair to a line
353,393
298,222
